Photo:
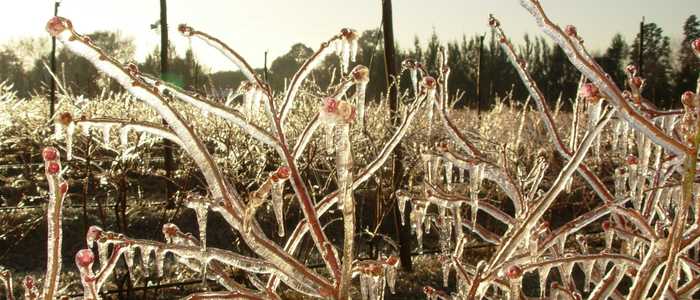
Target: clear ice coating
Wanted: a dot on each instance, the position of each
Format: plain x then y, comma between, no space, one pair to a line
402,199
278,205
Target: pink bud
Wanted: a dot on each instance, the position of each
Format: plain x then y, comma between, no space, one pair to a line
606,225
589,91
283,172
631,70
330,104
56,25
571,31
84,258
63,188
185,30
29,282
696,46
392,260
636,82
94,233
429,82
360,74
53,168
408,63
493,22
428,290
514,272
49,154
631,160
348,34
687,99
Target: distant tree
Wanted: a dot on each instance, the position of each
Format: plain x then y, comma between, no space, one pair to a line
563,76
185,72
657,65
689,66
284,67
614,59
12,72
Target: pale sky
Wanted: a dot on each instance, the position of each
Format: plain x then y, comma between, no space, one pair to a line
252,26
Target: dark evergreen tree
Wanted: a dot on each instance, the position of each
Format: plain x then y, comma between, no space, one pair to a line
657,65
689,66
613,60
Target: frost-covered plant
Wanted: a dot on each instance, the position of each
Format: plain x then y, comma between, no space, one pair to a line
275,263
650,235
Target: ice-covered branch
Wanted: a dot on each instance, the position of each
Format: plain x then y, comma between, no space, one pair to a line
215,108
54,217
6,278
592,70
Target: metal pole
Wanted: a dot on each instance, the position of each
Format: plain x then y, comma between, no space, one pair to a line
164,68
52,95
390,75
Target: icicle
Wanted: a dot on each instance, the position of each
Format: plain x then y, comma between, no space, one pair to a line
414,79
428,224
364,285
390,272
102,250
278,205
543,273
160,262
86,128
70,130
587,268
330,133
124,137
105,134
402,198
594,110
418,219
448,175
58,131
361,89
129,259
567,267
475,179
445,235
446,267
620,184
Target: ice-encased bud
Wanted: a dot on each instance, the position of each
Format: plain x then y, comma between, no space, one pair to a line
696,46
631,70
514,272
53,167
93,234
590,92
428,83
334,110
56,25
636,82
408,64
571,31
64,118
84,258
688,100
49,154
360,74
170,230
185,30
493,22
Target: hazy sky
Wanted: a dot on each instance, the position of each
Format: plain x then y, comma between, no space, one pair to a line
252,26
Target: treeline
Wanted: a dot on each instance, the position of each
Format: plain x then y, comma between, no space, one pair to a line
668,74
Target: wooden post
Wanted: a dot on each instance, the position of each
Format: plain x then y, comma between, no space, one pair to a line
169,163
52,95
391,75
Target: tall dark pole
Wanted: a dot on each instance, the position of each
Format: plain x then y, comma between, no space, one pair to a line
52,96
265,78
478,76
164,68
391,74
640,62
